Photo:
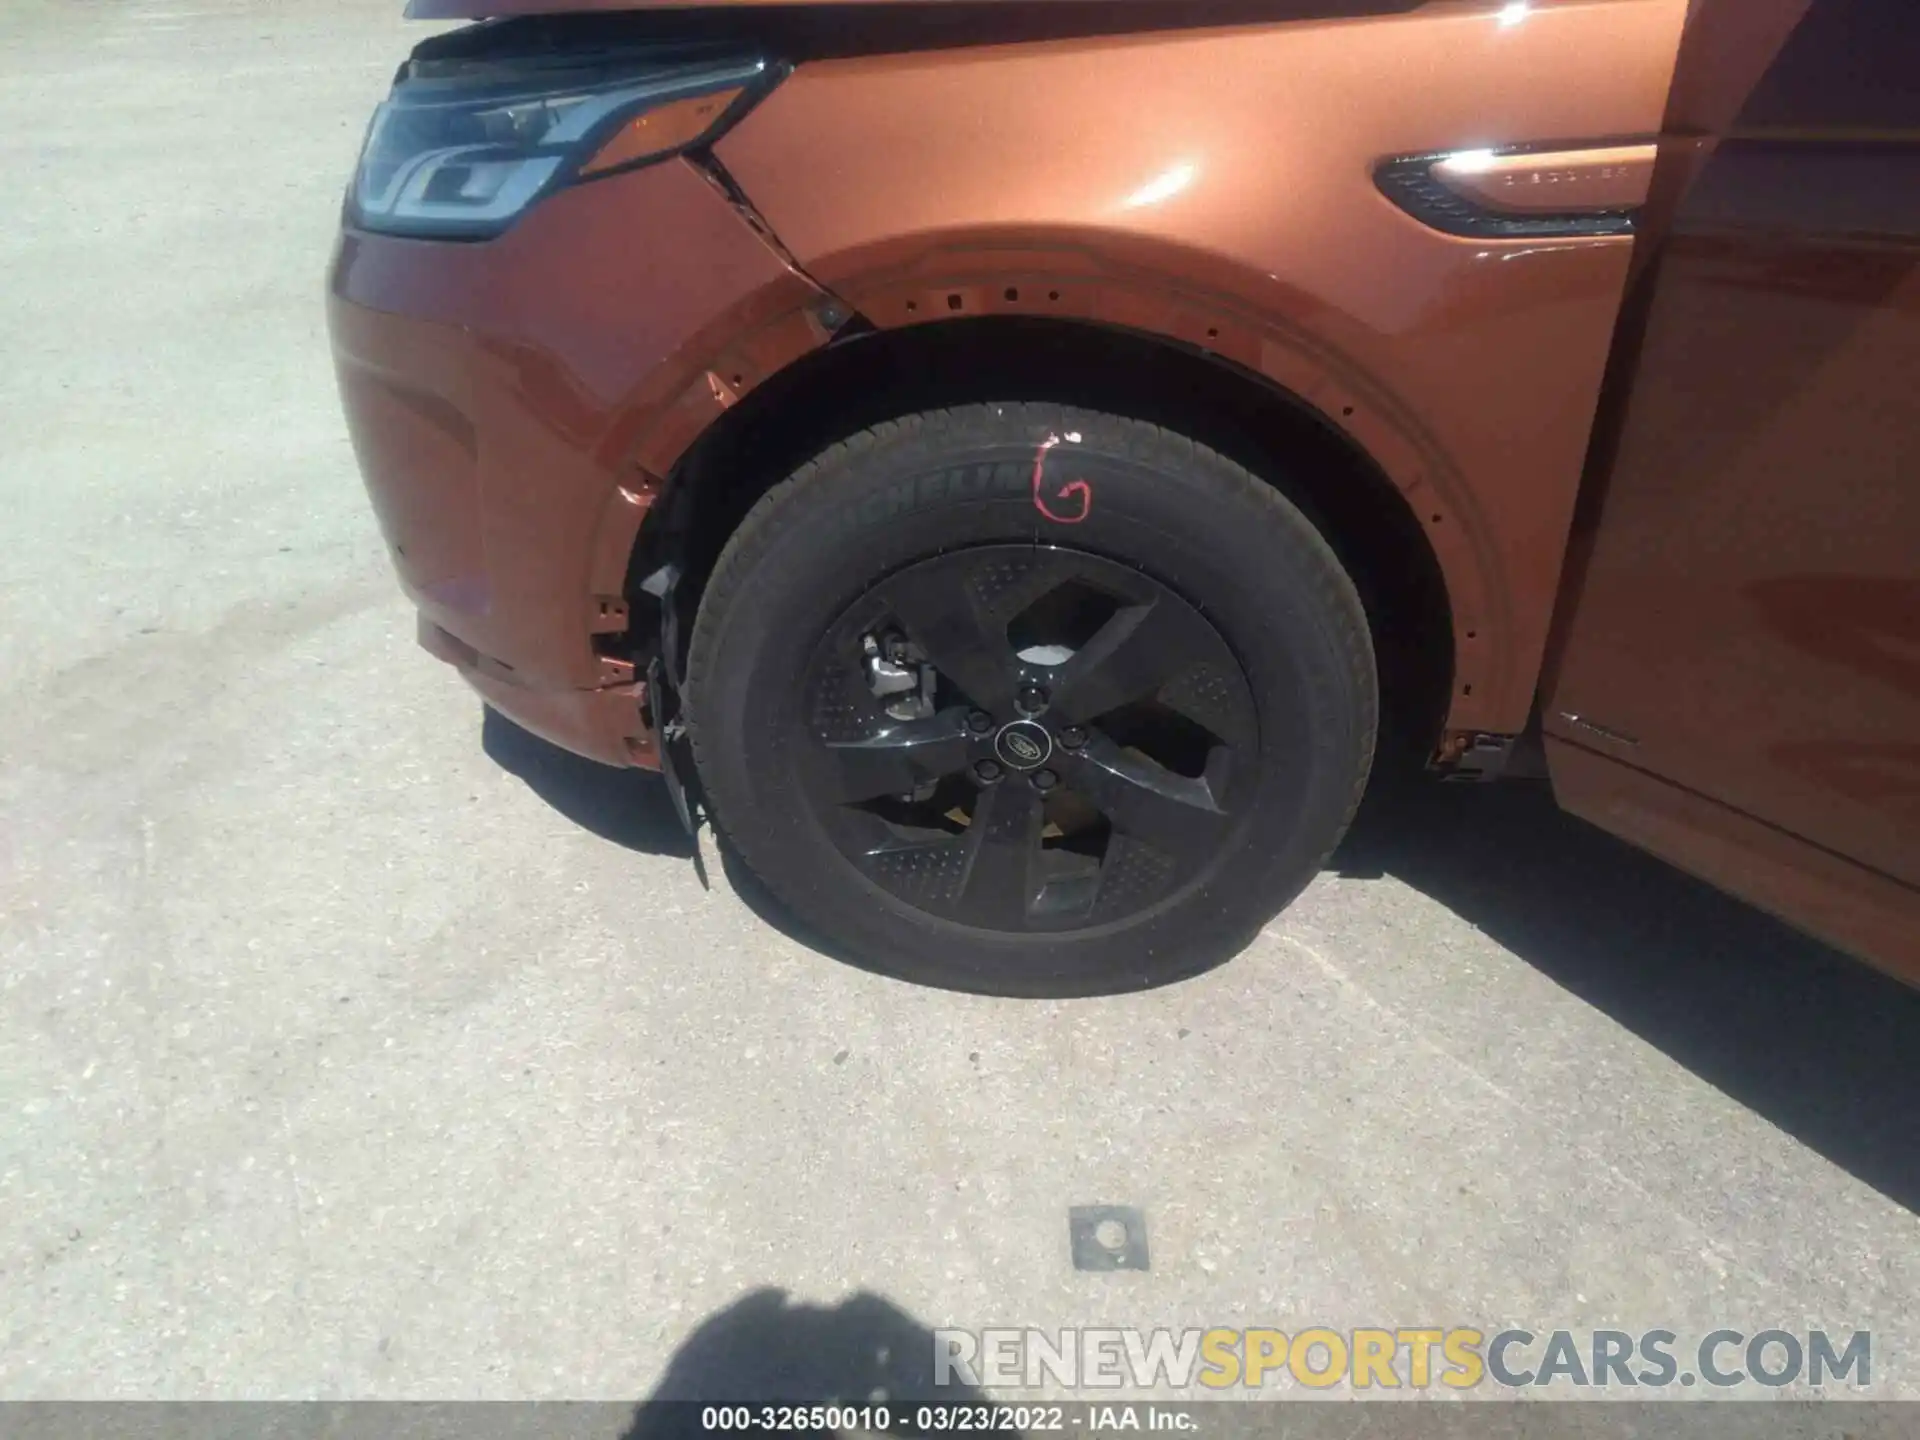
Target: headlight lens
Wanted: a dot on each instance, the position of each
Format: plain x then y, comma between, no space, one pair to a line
460,159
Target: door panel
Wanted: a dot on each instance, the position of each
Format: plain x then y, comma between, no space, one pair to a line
1748,625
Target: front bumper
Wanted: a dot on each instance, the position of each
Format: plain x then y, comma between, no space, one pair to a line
505,399
609,724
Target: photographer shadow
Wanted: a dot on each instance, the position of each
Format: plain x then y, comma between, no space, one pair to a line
764,1349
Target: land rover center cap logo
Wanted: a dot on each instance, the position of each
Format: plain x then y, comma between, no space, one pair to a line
1023,745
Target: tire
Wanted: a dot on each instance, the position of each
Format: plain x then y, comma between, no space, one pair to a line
1203,667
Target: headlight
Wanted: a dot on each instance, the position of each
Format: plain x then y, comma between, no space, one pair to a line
461,155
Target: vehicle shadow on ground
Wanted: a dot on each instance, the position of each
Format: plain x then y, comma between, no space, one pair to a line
631,808
766,1348
628,807
1811,1040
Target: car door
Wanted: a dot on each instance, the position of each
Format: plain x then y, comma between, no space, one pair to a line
1744,621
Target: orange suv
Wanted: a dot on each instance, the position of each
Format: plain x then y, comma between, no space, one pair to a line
1014,463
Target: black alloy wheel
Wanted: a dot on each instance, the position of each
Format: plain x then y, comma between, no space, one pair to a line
1075,760
1029,701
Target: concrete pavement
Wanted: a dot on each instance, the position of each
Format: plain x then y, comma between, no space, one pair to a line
353,1047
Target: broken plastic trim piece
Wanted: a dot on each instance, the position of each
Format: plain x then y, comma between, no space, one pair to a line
1471,755
676,760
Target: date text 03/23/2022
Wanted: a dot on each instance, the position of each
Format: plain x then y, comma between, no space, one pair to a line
949,1418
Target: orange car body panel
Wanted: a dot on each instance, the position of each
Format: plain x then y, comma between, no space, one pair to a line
497,395
1216,187
1003,175
1208,176
1738,683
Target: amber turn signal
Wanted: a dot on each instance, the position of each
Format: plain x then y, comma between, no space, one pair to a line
667,127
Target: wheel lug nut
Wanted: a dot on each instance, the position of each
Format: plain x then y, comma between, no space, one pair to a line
979,722
1032,699
1073,737
986,771
1044,780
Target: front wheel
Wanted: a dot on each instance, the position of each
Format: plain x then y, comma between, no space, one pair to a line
1030,701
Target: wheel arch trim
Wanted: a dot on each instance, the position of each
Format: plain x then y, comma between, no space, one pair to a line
1492,684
